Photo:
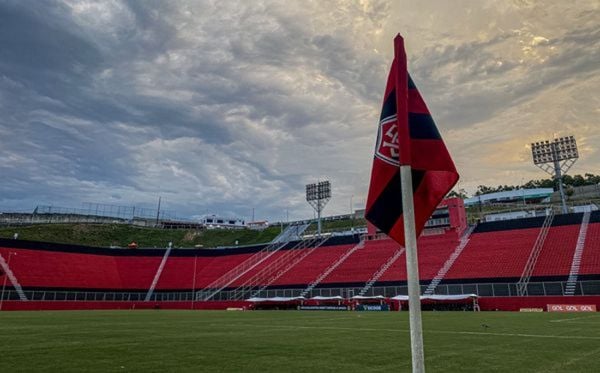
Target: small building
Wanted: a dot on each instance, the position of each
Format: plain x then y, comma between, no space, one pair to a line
524,196
215,221
258,225
450,214
585,208
516,215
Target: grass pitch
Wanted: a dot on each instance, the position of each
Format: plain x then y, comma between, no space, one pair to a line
292,341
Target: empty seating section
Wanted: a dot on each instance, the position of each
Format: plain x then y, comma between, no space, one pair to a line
494,255
178,273
216,267
590,260
136,272
397,271
307,270
433,251
557,253
254,271
363,263
51,269
433,256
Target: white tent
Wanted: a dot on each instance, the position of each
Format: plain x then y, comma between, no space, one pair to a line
438,297
275,299
318,297
362,297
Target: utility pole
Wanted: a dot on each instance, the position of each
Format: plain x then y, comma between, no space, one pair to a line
158,211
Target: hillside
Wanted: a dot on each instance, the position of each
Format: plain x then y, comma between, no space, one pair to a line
105,235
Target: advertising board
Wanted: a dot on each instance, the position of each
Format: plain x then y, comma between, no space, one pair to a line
571,308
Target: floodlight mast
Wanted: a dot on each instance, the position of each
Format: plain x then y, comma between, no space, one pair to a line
317,195
556,158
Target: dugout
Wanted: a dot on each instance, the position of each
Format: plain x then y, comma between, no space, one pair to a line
458,302
374,303
320,303
277,303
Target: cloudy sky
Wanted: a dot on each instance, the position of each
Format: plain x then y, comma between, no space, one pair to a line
224,106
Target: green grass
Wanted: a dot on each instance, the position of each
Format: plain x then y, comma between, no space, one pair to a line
104,235
338,225
292,341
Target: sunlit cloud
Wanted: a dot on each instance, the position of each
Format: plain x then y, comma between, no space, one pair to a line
223,107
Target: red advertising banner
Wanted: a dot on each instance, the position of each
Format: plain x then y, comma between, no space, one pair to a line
571,308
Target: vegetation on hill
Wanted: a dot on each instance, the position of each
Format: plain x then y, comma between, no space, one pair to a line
338,225
120,235
568,180
105,235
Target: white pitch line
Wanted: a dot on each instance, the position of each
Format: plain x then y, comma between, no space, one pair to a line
527,335
426,331
561,366
575,318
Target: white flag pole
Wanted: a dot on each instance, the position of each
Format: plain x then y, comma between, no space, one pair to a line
408,209
412,270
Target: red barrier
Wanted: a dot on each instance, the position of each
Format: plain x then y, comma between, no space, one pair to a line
485,303
516,303
81,305
572,308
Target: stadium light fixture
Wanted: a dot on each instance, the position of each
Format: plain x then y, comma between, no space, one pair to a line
556,157
317,195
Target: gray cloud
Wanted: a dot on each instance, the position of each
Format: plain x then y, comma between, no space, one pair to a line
227,106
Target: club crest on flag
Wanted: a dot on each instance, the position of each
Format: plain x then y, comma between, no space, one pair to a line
406,136
387,147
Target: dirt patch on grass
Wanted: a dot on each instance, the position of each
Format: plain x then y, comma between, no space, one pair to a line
191,236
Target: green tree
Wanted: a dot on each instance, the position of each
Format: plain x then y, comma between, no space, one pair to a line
568,180
591,179
460,194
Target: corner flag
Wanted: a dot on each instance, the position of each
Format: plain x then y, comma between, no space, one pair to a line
406,135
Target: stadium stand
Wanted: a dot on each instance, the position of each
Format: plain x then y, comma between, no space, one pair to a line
462,243
433,252
217,267
495,253
179,272
332,266
590,260
134,273
363,263
47,269
279,264
312,266
557,253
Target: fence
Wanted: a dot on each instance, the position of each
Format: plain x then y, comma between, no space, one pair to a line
483,289
96,213
107,210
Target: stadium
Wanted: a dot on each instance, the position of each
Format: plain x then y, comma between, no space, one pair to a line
223,113
504,265
545,263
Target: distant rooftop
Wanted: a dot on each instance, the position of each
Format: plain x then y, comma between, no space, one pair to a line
536,194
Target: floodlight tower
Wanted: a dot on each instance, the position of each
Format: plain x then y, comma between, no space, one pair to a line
556,158
317,195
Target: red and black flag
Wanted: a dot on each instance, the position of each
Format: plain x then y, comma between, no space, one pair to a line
406,135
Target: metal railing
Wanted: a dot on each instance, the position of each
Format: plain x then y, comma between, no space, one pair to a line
556,288
578,254
535,253
238,271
